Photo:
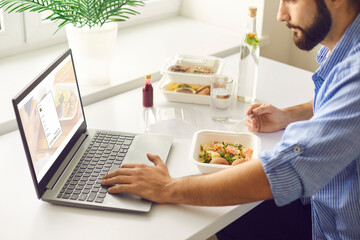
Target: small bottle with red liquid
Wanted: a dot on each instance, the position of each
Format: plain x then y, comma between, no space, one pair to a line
147,92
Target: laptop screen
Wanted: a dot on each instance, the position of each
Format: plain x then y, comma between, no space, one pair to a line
50,115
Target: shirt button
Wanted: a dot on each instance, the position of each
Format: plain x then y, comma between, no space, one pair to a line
297,149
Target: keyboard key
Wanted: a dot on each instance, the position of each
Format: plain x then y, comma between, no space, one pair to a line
78,175
116,148
77,191
123,150
68,191
91,182
86,191
103,190
82,197
91,197
128,135
101,195
81,183
99,200
74,196
66,196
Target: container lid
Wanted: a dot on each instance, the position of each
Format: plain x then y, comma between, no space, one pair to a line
174,121
187,68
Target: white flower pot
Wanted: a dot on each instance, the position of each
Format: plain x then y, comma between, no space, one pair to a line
93,51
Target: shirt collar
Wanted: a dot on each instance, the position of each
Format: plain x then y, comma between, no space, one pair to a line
320,58
341,50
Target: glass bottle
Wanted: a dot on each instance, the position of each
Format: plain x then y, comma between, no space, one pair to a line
147,92
249,60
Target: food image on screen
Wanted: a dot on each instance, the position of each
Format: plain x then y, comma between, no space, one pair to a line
65,100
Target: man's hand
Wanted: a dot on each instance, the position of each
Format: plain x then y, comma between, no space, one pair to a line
146,181
266,118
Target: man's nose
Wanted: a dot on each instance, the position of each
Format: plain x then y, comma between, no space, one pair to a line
283,14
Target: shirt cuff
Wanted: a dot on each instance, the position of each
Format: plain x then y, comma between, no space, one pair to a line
285,182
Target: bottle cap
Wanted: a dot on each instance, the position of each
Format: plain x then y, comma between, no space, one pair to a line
252,11
148,79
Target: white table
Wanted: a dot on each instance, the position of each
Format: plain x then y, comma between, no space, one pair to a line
23,216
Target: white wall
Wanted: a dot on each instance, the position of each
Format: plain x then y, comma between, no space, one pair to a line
232,14
304,59
280,36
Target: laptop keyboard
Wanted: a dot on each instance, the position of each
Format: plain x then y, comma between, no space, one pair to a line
104,154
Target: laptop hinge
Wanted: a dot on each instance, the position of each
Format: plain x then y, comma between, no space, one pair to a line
66,161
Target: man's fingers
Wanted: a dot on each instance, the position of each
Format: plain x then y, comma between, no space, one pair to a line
126,168
155,159
120,171
252,124
251,108
117,180
124,188
263,108
129,165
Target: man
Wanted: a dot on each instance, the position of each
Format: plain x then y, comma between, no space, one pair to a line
318,156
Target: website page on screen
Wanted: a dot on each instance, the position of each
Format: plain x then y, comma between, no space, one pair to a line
50,114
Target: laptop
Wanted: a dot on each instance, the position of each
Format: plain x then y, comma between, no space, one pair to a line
67,161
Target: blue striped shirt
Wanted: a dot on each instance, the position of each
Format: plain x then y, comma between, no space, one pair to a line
320,158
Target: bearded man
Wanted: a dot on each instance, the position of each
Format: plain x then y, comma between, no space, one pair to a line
317,160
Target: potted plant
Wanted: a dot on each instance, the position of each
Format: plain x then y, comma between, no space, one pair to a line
90,27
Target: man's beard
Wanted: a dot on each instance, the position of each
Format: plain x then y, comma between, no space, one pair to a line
313,35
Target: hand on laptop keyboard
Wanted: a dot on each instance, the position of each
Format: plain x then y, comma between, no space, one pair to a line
105,154
140,179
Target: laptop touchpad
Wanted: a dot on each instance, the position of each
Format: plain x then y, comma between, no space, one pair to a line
146,143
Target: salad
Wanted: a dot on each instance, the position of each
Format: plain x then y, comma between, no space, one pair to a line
224,153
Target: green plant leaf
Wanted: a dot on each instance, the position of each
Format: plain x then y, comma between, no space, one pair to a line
77,12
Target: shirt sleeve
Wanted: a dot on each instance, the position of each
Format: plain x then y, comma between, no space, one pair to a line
311,153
